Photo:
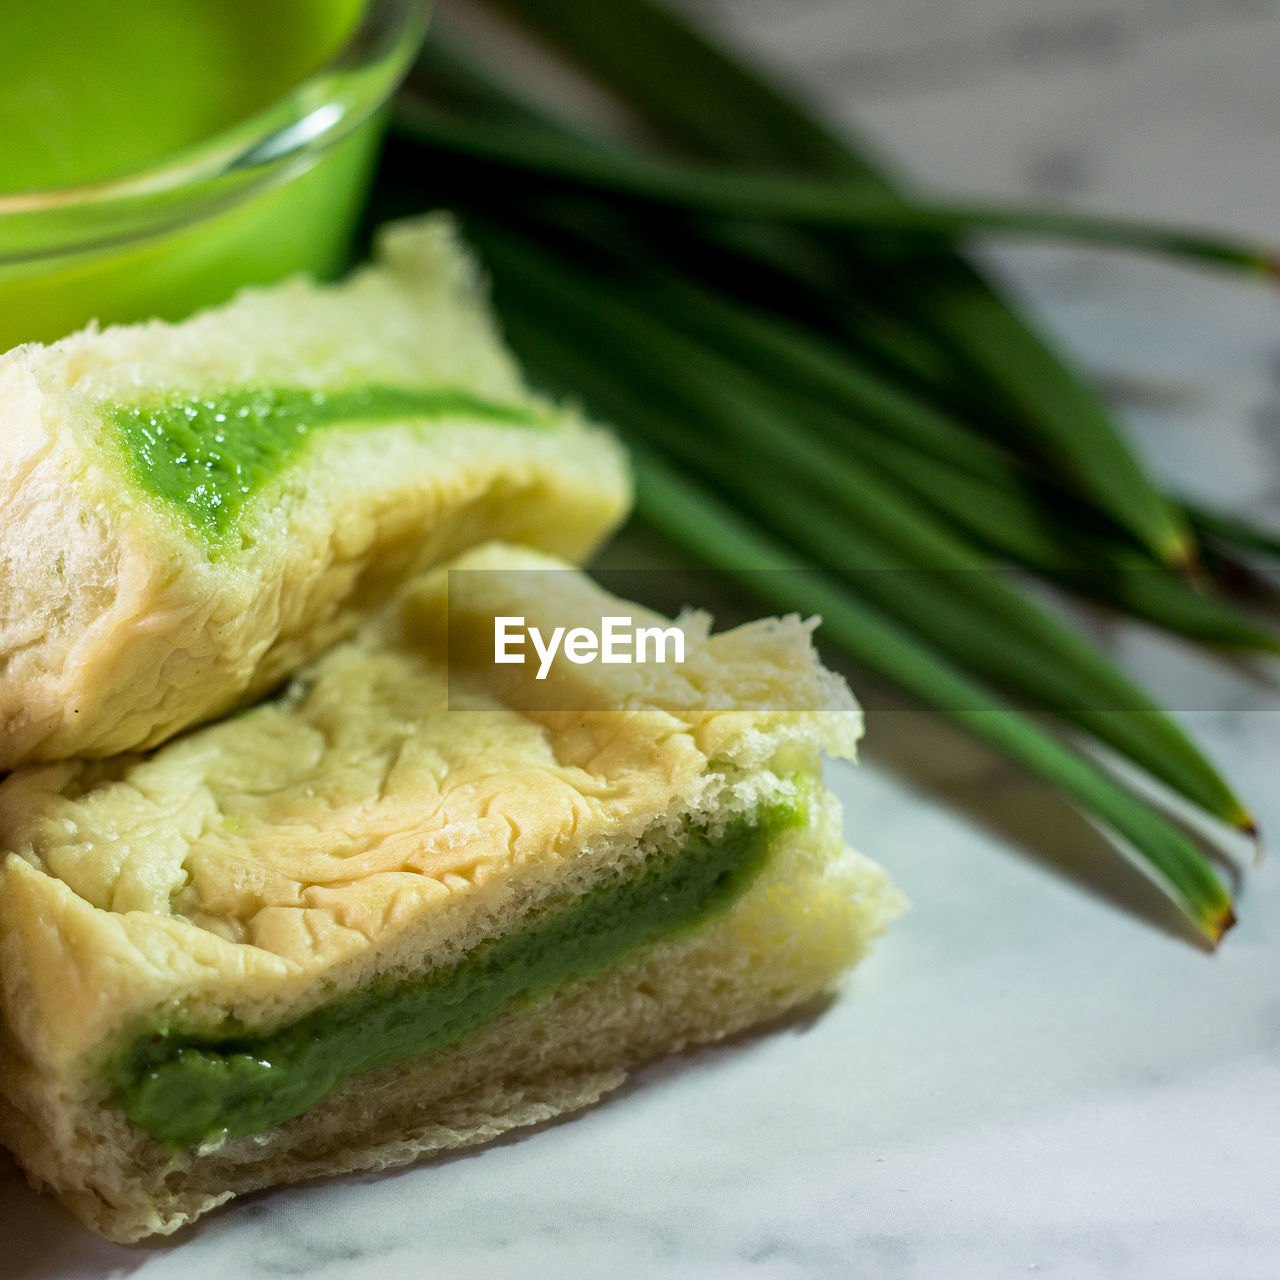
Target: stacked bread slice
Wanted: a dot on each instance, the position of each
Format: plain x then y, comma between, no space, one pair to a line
399,905
191,511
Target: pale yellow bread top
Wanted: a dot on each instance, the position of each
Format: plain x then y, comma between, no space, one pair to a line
356,825
119,625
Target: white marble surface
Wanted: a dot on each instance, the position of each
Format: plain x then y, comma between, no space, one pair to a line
1036,1073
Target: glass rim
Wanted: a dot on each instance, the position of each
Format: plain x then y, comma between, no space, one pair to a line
289,134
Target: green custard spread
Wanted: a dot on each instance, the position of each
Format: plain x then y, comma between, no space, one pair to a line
90,89
184,1090
205,457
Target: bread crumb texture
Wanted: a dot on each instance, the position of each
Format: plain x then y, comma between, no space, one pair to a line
357,830
120,625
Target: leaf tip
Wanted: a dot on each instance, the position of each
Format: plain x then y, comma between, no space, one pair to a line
1182,553
1217,922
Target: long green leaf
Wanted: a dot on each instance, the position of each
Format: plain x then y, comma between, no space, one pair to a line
689,87
967,479
963,477
707,101
728,256
966,608
1233,530
961,613
695,519
830,204
1026,528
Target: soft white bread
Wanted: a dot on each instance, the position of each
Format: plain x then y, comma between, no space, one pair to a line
121,622
356,834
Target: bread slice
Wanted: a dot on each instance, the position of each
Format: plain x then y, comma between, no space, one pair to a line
188,512
353,926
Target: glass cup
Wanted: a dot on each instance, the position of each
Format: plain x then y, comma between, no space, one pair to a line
278,193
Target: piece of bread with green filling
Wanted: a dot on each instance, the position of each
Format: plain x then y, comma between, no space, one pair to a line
188,512
403,907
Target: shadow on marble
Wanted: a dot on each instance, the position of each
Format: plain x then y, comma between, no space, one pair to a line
42,1239
1021,812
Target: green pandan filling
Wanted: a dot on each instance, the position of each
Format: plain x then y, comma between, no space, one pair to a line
207,456
184,1089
